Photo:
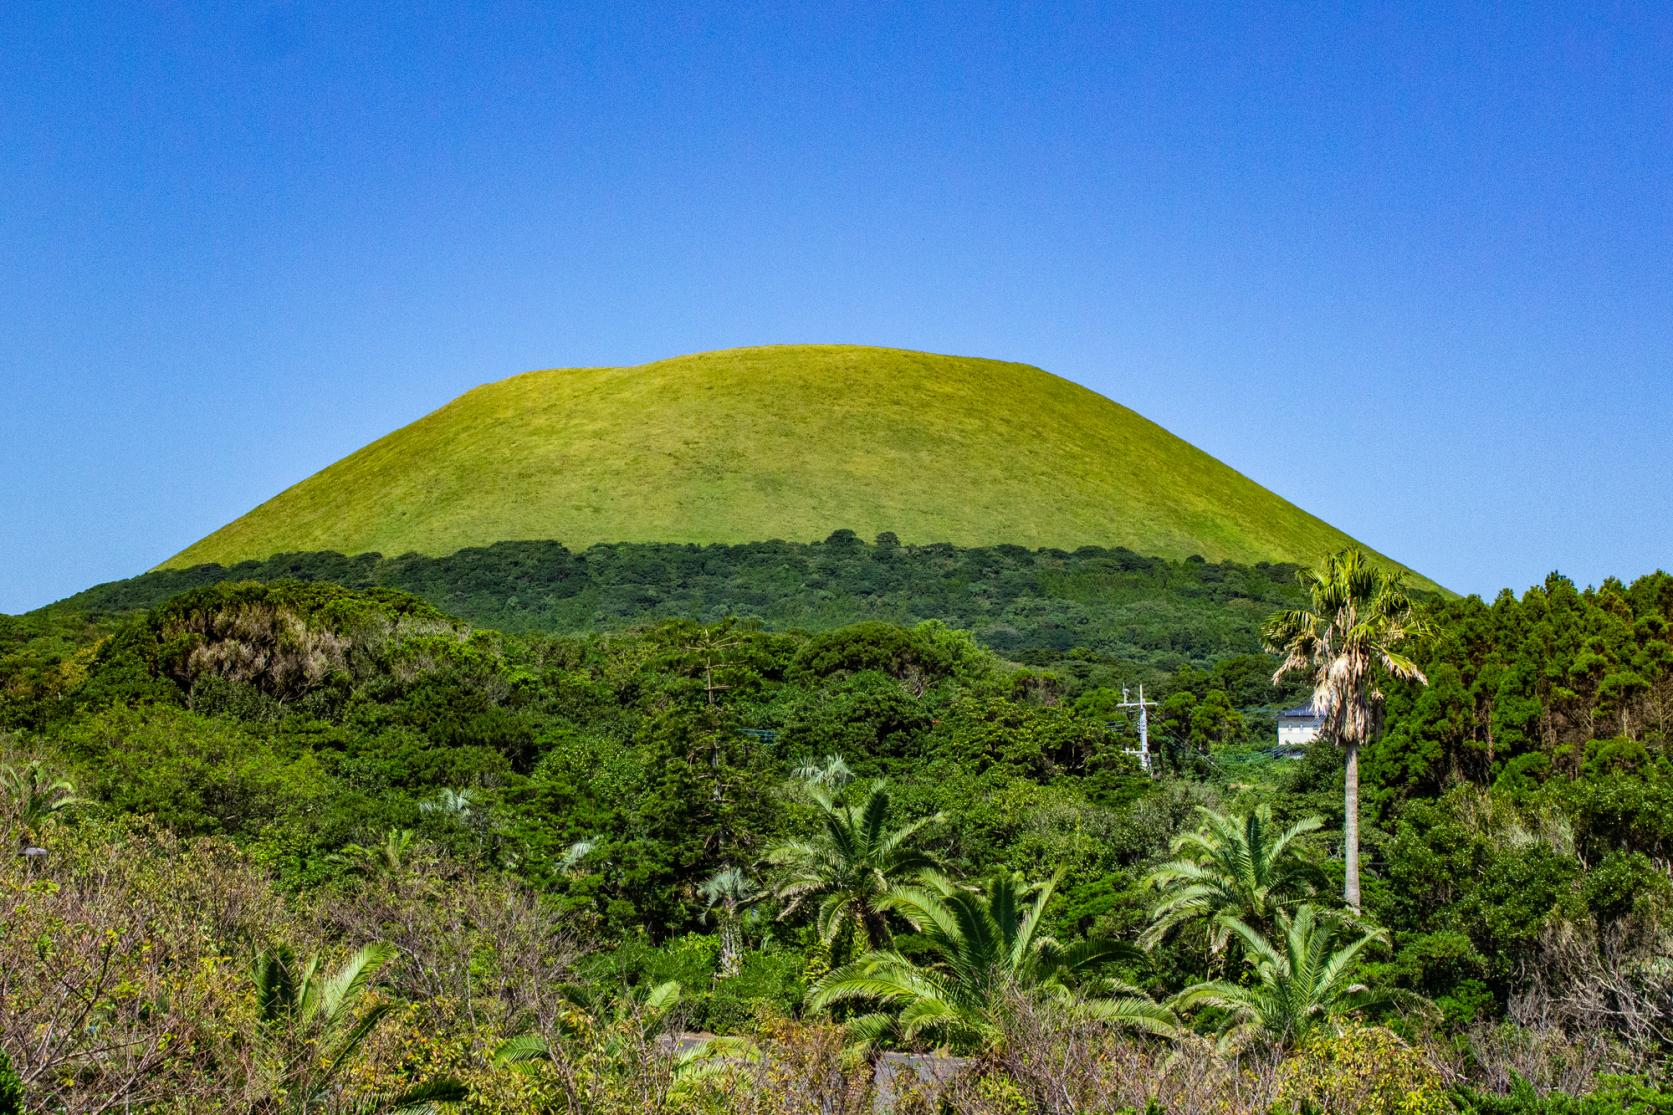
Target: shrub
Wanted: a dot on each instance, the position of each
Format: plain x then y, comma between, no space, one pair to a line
1613,1095
1366,1070
769,983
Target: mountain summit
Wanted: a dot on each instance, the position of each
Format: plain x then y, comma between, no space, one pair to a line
787,442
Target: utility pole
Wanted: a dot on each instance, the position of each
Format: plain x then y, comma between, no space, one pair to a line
1144,726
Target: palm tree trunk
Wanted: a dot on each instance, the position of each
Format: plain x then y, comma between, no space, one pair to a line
731,950
876,927
1350,825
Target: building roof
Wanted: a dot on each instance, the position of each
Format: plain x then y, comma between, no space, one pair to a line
1300,712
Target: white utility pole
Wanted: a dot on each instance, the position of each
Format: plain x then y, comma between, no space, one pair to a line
1144,726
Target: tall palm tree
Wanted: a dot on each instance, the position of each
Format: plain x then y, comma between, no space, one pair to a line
987,946
730,892
1233,868
850,864
1358,614
1300,982
315,1024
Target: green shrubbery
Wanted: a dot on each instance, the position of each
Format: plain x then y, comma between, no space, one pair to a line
1615,1095
1034,606
11,1087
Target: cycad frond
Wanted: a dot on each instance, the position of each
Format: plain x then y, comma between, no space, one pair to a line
425,1098
663,997
339,993
1130,1010
521,1050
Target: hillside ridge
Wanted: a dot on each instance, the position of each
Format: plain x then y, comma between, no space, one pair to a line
779,442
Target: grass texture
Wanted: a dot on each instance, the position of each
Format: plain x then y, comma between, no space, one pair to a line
784,442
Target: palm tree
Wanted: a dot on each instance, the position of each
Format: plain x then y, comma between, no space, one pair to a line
314,1026
732,892
1233,868
608,1052
1358,614
457,804
36,796
849,865
1293,991
987,947
830,772
388,858
615,1025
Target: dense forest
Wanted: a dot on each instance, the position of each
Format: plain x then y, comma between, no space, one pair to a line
1030,606
820,828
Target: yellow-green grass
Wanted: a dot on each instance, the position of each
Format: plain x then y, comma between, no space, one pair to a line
787,442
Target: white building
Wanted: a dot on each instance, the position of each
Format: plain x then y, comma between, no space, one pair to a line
1297,727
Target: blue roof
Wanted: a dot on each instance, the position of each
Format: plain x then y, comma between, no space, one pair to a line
1301,712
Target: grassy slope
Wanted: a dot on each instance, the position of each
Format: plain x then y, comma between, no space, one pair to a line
782,442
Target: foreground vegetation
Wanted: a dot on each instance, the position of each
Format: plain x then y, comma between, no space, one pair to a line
299,847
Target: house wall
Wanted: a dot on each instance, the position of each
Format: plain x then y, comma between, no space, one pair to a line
1297,734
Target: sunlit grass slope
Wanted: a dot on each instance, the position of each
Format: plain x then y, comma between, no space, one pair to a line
785,442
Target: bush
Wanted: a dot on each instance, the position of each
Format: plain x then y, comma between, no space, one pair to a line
1364,1069
768,983
1613,1095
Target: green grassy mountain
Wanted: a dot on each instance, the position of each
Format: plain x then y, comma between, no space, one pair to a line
785,442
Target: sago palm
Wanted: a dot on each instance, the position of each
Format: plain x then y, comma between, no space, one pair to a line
315,1024
987,947
610,1052
388,858
1357,615
34,796
596,1023
1300,981
852,862
1233,868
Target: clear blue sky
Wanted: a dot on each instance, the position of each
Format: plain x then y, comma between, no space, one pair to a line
1412,269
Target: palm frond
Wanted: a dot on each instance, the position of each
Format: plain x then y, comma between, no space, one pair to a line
1135,1012
423,1099
345,987
522,1049
342,1053
663,997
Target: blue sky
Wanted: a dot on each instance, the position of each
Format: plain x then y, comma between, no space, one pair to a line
1412,269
